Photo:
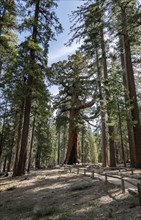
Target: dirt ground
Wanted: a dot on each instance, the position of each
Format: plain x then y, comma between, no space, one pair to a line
55,195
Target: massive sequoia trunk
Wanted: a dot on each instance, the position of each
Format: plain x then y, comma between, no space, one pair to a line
72,151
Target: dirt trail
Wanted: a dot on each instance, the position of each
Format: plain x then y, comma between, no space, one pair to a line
55,195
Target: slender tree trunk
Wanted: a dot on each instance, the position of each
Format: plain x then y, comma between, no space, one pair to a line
38,158
59,146
110,128
132,89
9,156
121,136
24,139
31,145
112,146
82,144
4,164
102,114
64,142
15,168
3,130
129,117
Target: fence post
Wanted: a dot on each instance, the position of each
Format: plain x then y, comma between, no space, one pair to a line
92,174
106,178
78,170
139,192
66,169
122,184
85,172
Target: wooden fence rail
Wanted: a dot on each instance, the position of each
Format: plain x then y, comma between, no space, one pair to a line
84,170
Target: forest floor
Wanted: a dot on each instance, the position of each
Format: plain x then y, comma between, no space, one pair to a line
55,195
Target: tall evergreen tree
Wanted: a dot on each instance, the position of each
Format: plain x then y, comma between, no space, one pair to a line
39,22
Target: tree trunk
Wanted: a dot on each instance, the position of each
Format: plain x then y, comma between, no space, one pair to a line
2,132
59,146
82,144
110,128
38,158
132,90
64,142
15,168
102,114
112,146
9,156
24,140
121,137
129,118
72,151
28,99
4,163
31,145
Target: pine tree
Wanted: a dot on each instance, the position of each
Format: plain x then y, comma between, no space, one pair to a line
128,23
39,21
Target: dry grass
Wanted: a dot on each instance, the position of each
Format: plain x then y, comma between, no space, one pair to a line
55,195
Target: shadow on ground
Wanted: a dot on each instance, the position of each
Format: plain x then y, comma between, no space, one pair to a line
55,195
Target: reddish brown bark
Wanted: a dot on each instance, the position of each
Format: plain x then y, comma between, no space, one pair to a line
129,117
72,151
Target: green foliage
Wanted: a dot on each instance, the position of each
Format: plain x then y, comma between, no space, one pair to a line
93,154
76,86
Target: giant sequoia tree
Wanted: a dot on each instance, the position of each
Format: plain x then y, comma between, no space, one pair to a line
76,88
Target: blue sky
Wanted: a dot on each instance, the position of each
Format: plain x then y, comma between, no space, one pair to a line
57,50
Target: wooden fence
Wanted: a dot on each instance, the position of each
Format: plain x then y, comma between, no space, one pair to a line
106,175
